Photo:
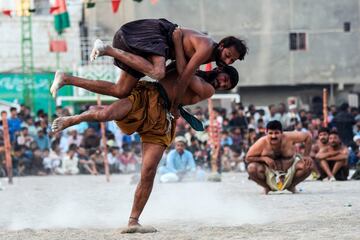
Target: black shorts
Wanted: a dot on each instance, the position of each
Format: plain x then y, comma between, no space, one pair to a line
145,38
341,175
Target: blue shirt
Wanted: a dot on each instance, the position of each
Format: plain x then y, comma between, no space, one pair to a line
14,125
176,162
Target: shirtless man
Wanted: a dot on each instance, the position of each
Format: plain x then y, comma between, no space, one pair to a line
142,47
146,111
333,159
273,163
322,141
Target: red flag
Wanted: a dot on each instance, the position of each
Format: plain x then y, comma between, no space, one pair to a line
58,46
115,5
7,12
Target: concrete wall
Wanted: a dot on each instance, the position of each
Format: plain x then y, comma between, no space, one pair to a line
331,54
42,31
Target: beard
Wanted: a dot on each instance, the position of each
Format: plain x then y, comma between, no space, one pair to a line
334,144
209,77
323,141
217,56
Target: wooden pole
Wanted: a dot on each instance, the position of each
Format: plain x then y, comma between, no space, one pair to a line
325,107
7,145
103,139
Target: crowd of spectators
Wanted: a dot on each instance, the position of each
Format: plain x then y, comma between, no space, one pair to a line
79,150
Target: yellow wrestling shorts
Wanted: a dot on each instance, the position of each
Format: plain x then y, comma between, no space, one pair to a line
149,115
278,181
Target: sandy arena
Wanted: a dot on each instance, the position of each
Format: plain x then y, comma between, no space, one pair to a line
86,207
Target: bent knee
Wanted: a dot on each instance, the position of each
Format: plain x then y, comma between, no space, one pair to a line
158,73
255,168
148,174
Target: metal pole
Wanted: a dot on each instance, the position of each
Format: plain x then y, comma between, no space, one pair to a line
7,145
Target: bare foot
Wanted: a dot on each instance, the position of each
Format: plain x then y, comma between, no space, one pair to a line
60,123
266,191
57,83
139,229
293,190
98,50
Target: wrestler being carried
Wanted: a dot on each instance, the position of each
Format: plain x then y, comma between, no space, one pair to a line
142,47
273,163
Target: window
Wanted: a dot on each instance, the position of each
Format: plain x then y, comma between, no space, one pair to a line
347,26
297,41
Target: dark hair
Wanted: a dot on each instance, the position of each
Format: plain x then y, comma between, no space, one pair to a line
239,45
233,74
209,76
344,106
274,125
13,109
334,132
324,129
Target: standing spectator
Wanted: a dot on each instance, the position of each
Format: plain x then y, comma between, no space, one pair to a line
344,122
69,164
14,123
238,119
29,124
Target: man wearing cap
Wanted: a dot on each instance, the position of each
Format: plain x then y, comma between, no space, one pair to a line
334,159
273,163
147,111
179,162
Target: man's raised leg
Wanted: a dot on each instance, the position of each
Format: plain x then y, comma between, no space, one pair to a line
115,111
120,89
153,67
152,154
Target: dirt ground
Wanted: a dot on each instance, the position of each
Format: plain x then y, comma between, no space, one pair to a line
87,207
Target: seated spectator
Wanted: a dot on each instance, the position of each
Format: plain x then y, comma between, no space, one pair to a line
52,158
127,160
114,159
42,140
74,137
333,159
225,138
86,165
24,139
37,167
226,158
98,158
179,162
69,163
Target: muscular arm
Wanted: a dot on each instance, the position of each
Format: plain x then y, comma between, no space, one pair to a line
202,54
179,50
324,153
342,155
299,137
255,151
